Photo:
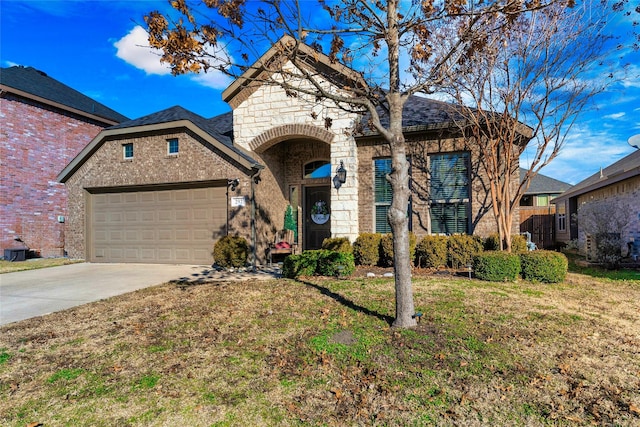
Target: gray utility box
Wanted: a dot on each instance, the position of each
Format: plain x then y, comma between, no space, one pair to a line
15,254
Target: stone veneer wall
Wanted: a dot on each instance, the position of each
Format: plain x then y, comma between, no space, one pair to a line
268,116
625,196
151,165
36,143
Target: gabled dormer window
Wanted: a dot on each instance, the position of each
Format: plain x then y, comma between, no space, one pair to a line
127,151
173,146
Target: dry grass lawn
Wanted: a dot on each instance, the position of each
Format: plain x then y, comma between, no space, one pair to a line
320,352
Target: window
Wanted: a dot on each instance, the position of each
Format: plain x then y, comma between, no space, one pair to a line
317,169
173,146
562,217
383,194
382,190
526,201
127,150
542,200
449,193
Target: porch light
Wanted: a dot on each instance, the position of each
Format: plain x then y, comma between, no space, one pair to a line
233,183
341,176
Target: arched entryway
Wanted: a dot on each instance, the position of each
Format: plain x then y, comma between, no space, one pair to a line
300,165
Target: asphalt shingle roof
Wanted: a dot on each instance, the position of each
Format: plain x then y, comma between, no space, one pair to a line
38,83
419,113
611,174
219,127
542,184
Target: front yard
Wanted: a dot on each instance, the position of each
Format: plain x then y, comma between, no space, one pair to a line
320,352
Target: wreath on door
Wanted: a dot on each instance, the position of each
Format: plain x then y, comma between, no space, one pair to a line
320,212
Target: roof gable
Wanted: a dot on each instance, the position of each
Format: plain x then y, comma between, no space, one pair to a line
275,58
542,184
211,130
37,85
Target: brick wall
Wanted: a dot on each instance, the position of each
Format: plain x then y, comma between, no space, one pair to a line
483,221
36,143
151,165
625,196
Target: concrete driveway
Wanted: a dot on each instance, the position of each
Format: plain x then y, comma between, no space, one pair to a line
27,294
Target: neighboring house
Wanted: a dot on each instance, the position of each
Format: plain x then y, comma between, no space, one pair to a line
43,125
537,212
617,185
162,188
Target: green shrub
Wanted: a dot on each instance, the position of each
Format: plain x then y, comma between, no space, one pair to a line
332,263
337,244
461,249
231,251
431,252
319,262
492,243
386,249
544,266
496,266
291,222
304,264
366,249
518,243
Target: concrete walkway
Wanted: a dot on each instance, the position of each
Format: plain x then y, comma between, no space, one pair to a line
31,293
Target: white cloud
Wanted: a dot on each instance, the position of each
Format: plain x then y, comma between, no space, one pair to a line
614,116
134,49
212,79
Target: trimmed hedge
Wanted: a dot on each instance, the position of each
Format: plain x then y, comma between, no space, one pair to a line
366,249
386,249
231,251
431,252
518,243
461,248
544,266
337,244
496,266
332,263
319,262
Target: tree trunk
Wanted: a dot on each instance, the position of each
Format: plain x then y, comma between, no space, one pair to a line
398,218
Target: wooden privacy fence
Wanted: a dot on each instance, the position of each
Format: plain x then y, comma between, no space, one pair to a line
540,222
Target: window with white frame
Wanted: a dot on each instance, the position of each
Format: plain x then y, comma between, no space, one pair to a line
173,146
449,185
127,150
561,214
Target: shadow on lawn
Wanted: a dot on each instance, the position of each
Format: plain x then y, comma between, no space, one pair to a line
348,303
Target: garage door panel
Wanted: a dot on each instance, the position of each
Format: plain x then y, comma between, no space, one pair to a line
165,226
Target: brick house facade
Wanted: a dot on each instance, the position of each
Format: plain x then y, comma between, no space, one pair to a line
44,125
617,186
283,150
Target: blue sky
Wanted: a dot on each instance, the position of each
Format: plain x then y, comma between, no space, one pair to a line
93,46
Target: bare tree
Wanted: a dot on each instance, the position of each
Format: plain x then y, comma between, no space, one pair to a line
528,93
391,44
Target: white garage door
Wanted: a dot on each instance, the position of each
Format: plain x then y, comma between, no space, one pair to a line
176,226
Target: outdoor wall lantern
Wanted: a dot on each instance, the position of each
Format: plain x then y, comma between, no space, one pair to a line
341,176
233,183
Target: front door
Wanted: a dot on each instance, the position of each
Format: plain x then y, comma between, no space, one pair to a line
317,216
